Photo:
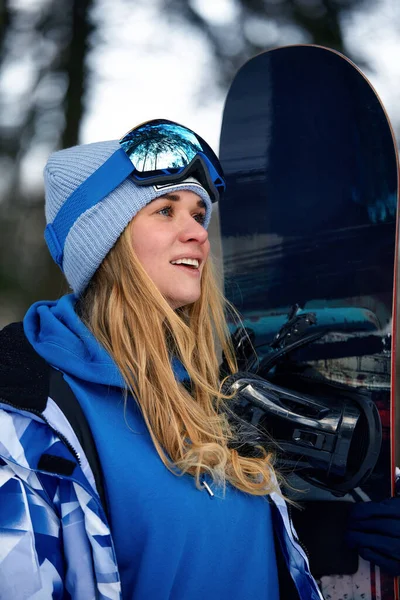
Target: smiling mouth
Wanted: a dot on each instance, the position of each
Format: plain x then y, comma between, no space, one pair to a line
188,269
191,263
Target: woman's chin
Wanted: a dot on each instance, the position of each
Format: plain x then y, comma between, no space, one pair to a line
179,301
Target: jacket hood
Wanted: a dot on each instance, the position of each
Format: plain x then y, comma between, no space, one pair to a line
59,336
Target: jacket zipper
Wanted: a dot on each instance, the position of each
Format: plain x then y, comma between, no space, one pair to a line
58,433
294,533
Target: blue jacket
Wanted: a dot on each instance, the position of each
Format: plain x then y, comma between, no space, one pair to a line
55,537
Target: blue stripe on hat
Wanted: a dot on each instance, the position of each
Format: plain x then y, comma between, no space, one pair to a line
94,189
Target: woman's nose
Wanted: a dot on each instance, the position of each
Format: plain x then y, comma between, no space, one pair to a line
193,230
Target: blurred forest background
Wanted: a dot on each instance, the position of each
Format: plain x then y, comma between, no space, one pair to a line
59,61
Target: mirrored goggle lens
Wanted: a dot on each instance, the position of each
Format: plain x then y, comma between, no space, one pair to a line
156,146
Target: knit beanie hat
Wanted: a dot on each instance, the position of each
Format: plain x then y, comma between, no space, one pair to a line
101,203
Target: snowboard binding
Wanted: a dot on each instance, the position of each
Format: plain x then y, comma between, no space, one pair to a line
327,433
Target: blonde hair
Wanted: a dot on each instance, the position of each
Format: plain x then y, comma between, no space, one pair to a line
129,316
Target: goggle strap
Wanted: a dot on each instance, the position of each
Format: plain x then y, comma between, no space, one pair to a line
91,191
211,173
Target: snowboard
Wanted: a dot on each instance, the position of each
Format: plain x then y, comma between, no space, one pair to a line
309,219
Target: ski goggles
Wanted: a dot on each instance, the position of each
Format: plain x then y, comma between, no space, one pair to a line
164,152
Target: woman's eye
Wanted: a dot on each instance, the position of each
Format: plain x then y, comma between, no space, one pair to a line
166,211
200,218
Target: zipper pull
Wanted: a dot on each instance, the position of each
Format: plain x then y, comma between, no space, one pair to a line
207,487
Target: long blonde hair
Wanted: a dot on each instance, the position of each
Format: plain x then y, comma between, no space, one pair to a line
129,316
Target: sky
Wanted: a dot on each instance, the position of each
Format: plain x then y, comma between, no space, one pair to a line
147,67
163,70
377,34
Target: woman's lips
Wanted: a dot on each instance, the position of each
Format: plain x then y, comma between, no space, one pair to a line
189,270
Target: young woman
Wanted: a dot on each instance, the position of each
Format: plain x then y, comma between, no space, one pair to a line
118,476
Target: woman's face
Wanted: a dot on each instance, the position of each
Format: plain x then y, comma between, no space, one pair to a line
167,230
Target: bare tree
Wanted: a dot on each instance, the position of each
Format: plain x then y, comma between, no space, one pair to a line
262,24
56,41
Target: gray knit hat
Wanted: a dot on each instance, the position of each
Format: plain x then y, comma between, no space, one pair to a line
87,208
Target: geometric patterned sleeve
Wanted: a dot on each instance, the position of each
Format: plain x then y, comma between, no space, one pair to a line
31,554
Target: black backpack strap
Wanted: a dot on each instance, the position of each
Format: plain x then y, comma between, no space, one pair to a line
27,380
61,393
